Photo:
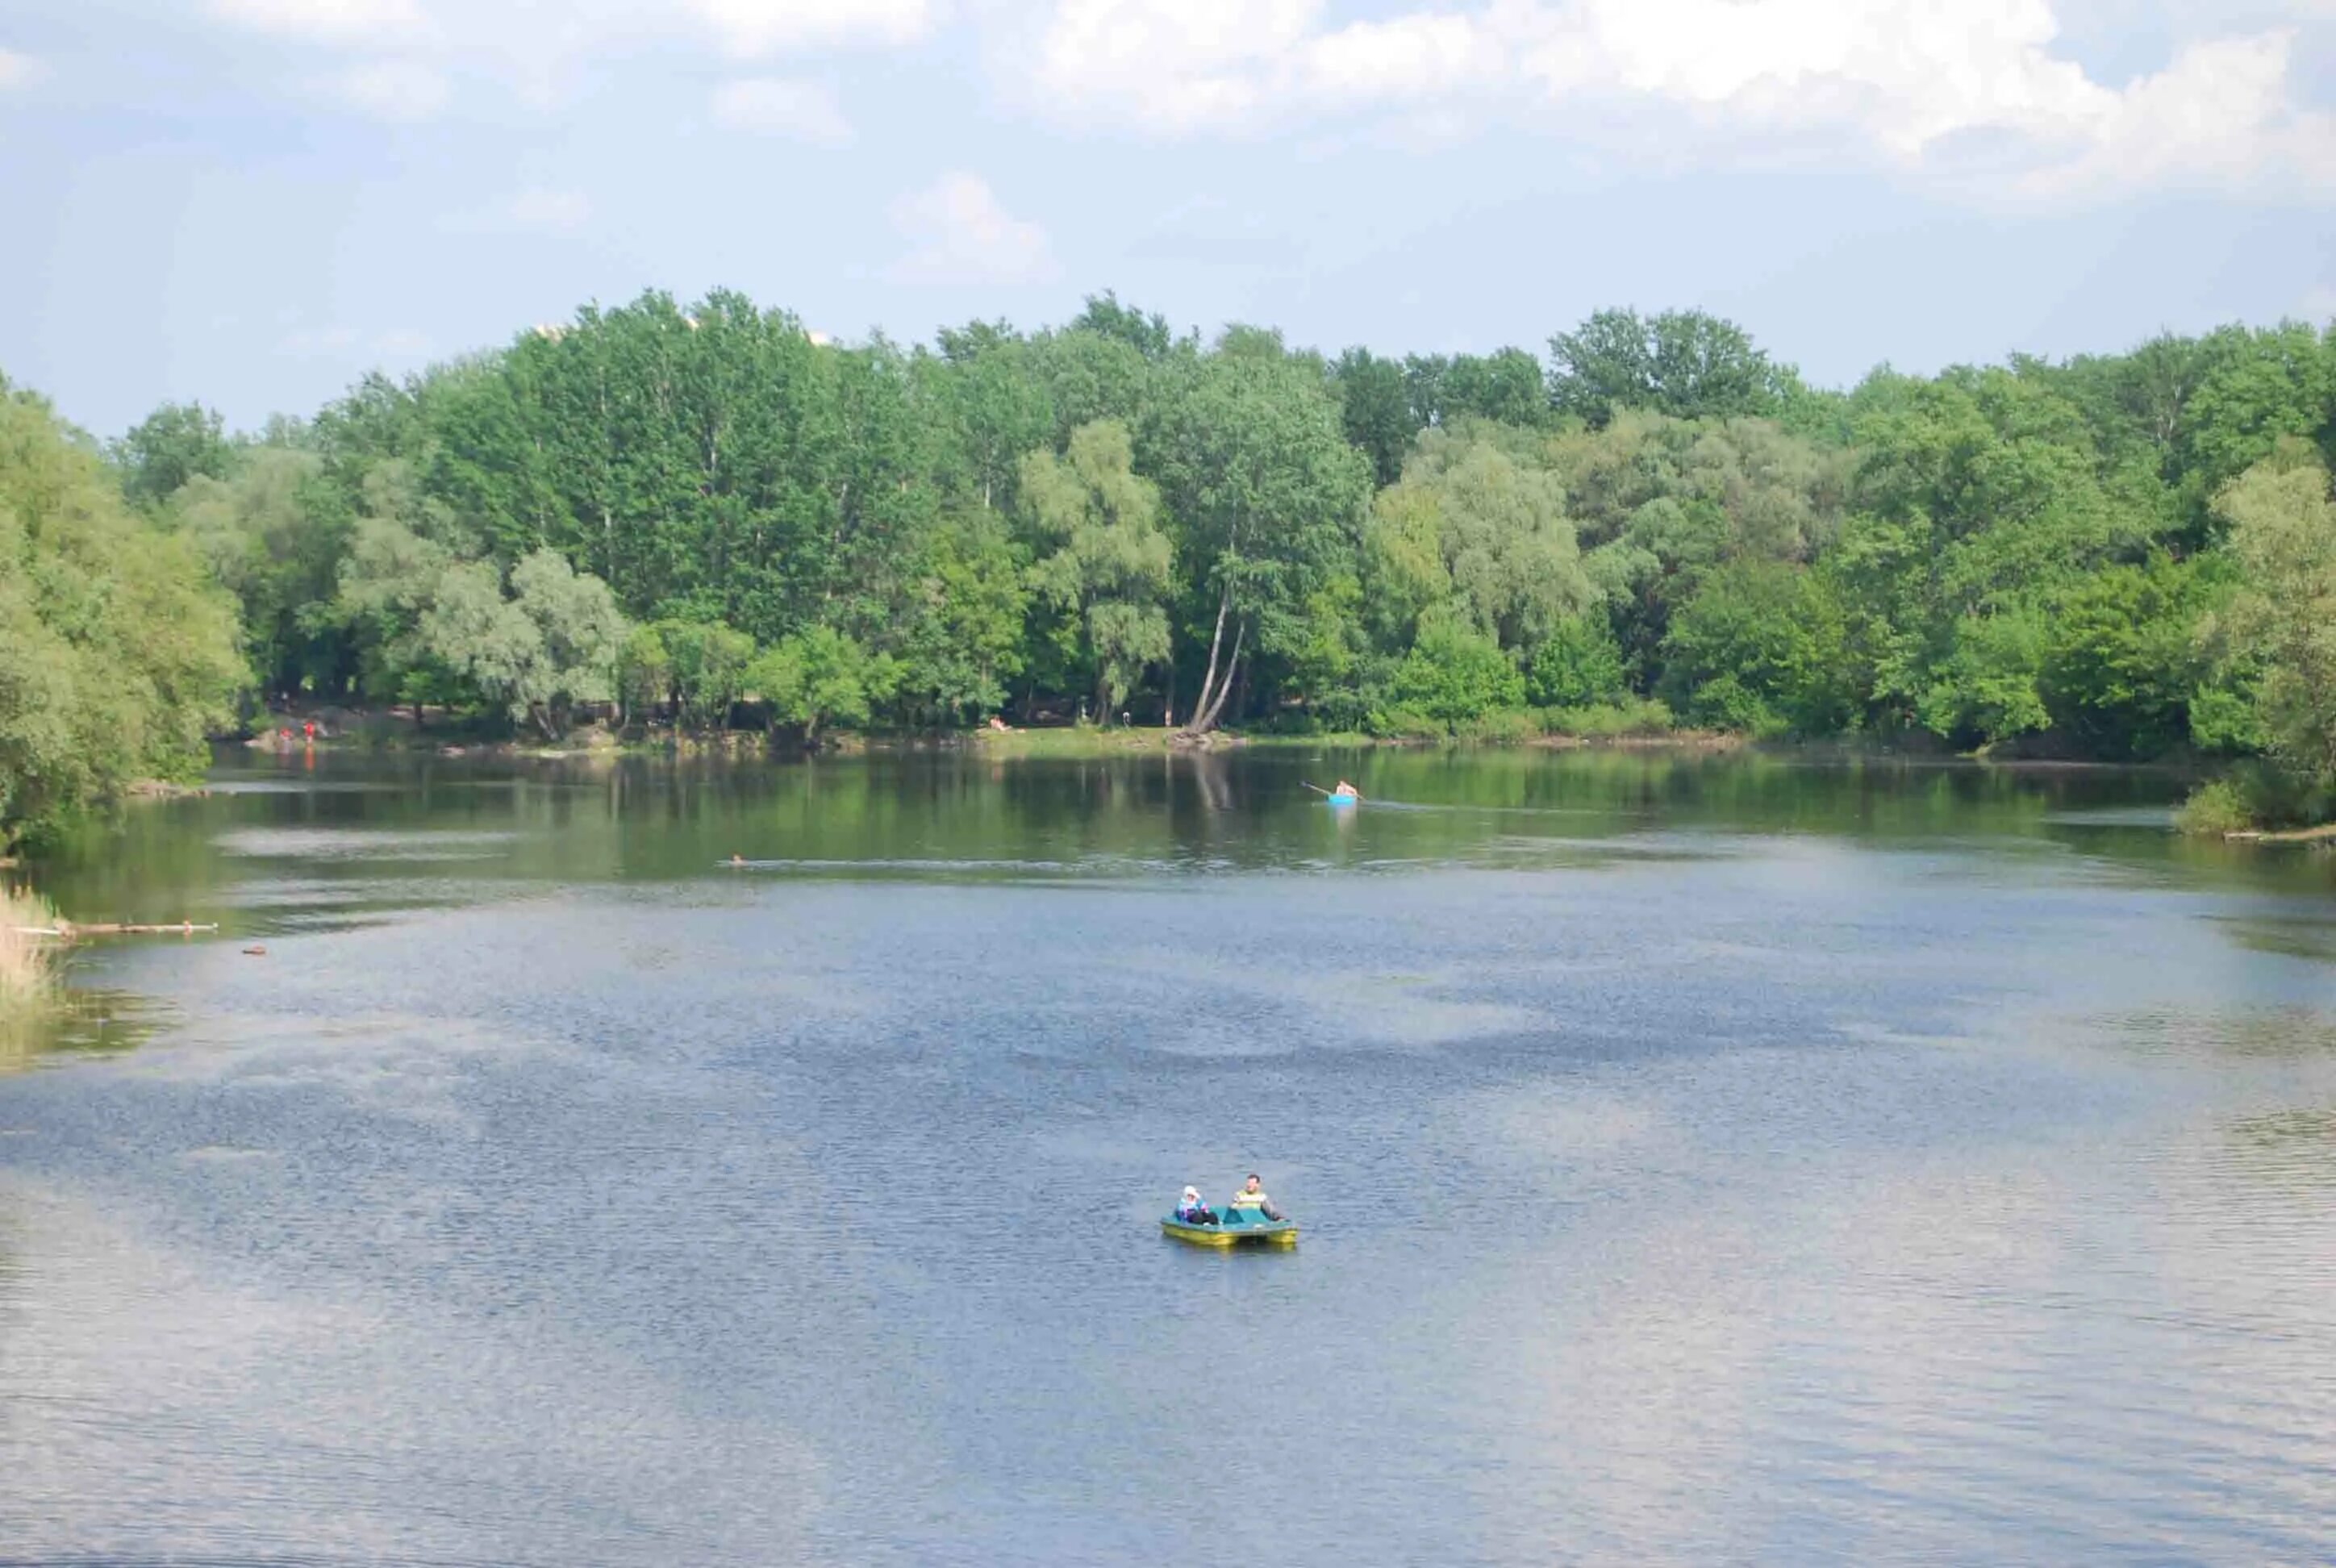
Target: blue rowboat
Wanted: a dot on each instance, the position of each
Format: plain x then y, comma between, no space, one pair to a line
1239,1228
1341,800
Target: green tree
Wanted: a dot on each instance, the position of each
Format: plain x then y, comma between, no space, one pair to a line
1103,557
2281,522
1577,665
1659,503
2256,389
387,582
1506,548
176,442
580,632
1105,316
1090,376
1253,465
1374,408
819,679
1452,676
1682,363
708,661
1978,501
118,653
1761,647
274,535
644,673
963,640
2123,667
1505,386
996,408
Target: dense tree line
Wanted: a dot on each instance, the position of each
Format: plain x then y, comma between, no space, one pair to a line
118,653
705,515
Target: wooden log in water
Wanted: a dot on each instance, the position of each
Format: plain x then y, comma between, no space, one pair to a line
132,929
67,931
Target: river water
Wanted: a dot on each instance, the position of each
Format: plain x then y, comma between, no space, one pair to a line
1700,1159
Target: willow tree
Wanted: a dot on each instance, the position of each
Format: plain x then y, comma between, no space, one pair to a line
118,653
1106,558
2281,516
1505,555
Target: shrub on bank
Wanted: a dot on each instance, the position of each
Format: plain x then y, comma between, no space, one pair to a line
2214,809
1625,715
2253,797
1502,726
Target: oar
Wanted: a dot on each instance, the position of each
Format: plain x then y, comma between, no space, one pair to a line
1318,789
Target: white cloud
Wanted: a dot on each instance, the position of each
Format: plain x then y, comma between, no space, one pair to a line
958,233
541,53
392,89
749,28
325,20
18,70
805,111
552,212
1982,96
1896,80
2220,113
1172,65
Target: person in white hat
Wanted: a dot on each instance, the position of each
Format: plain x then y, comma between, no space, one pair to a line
1193,1212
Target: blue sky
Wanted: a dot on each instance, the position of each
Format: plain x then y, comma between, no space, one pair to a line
251,203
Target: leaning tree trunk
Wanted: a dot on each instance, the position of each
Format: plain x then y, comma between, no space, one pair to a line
1203,714
1204,717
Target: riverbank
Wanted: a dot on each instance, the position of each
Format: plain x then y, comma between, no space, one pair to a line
452,734
1075,743
2325,833
2254,807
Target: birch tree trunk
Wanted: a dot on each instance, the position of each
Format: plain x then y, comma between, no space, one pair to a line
1204,718
1209,677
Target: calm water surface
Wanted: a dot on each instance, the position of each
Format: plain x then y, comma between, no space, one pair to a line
1700,1159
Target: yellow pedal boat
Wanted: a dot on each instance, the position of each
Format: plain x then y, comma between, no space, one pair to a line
1233,1231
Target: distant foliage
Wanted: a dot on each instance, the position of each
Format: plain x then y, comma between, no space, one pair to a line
2108,557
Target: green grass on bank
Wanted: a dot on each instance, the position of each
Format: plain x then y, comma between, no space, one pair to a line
1636,720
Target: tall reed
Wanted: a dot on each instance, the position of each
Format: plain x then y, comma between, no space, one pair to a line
29,982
